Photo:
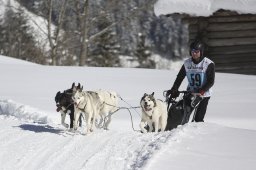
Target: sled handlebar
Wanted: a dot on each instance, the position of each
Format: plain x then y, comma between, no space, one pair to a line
165,93
169,99
184,92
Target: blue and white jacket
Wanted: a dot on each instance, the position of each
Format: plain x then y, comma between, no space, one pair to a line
200,76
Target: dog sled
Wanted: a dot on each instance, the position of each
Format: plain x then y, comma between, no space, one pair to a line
179,110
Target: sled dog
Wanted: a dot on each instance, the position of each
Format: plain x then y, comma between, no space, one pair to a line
154,113
65,104
109,100
94,104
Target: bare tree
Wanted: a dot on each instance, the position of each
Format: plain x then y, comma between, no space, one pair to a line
82,20
54,33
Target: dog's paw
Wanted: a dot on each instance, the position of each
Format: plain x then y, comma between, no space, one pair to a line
65,125
87,132
144,131
71,130
105,128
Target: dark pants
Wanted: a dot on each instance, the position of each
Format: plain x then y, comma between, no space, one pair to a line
201,110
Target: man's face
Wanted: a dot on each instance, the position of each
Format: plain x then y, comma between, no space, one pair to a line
195,54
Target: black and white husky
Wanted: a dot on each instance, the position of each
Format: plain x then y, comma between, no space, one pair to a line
94,105
65,104
154,113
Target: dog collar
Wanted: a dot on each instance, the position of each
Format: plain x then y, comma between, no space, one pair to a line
150,117
83,108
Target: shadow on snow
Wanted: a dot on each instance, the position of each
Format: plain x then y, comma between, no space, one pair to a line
40,128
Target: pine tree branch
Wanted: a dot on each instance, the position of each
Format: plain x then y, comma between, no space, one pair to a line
134,12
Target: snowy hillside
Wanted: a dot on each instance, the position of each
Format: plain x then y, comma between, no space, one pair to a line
37,24
31,136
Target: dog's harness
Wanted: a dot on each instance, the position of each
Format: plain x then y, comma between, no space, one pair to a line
59,107
150,117
119,108
82,109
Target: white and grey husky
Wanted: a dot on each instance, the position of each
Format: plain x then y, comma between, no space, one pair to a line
154,113
94,105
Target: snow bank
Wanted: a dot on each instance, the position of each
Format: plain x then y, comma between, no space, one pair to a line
203,7
206,146
22,112
14,61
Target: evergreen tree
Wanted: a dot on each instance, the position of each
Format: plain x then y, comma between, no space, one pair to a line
143,53
166,36
15,39
105,52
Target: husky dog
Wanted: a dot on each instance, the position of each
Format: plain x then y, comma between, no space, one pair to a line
65,104
94,104
154,113
109,105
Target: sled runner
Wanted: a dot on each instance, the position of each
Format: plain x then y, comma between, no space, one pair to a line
179,111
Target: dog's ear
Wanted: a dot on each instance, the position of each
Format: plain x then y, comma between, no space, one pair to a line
80,89
153,99
58,93
73,85
145,94
57,96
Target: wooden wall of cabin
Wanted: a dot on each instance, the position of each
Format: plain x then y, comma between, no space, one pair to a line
231,40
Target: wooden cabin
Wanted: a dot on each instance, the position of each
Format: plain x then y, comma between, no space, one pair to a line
230,37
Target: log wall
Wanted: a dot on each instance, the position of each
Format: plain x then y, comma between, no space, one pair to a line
231,40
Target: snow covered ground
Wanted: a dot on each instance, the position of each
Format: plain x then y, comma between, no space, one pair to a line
31,136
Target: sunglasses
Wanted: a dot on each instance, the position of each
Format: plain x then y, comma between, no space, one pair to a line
195,51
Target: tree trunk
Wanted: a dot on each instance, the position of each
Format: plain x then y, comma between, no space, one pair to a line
54,39
83,18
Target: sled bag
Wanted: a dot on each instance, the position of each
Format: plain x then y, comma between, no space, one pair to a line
178,114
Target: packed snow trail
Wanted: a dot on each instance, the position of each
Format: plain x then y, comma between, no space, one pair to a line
30,140
44,146
35,142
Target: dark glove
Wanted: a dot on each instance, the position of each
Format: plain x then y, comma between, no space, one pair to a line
173,92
